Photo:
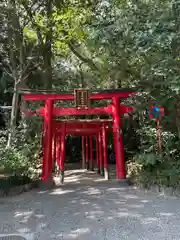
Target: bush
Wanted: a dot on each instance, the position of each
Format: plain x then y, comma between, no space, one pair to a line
23,155
14,162
149,167
12,181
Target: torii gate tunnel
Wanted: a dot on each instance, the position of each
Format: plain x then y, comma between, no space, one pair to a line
55,131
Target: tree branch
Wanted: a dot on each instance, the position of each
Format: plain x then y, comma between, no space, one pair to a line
88,61
23,78
30,14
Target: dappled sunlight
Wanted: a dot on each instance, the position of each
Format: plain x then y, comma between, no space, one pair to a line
17,236
136,206
75,234
24,230
149,220
94,214
144,201
99,180
96,207
81,176
92,191
86,209
21,214
42,192
84,202
165,214
128,214
77,179
61,192
127,196
121,209
75,171
115,190
120,202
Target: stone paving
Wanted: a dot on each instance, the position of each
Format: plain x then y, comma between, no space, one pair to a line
88,208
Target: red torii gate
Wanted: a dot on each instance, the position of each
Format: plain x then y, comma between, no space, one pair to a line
88,129
49,111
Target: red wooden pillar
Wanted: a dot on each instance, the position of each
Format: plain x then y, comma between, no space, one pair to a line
83,154
62,153
100,154
87,153
91,153
118,141
44,161
97,154
54,148
47,179
58,150
104,135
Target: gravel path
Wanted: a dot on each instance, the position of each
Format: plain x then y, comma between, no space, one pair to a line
86,207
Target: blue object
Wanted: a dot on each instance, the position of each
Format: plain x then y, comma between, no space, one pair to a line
156,109
156,112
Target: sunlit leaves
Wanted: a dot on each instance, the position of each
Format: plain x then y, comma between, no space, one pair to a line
69,23
60,46
30,34
39,19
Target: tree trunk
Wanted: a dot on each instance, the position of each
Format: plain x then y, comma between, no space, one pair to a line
48,49
14,111
178,115
47,68
82,80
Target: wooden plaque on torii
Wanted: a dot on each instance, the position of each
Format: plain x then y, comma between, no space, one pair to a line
82,98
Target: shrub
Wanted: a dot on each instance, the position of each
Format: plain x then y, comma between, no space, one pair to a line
149,167
23,155
13,161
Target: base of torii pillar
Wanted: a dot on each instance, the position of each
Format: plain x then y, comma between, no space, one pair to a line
46,185
123,182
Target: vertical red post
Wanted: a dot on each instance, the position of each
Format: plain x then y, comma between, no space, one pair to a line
158,134
97,154
47,179
91,153
58,150
83,154
104,135
87,153
118,141
44,161
54,149
62,155
100,154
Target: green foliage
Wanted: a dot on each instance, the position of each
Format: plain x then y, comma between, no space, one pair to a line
14,162
30,34
150,167
147,159
22,157
13,181
98,44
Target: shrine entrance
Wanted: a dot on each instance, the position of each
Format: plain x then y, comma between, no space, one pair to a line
55,131
89,130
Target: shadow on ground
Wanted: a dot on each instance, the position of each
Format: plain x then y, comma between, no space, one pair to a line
88,207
